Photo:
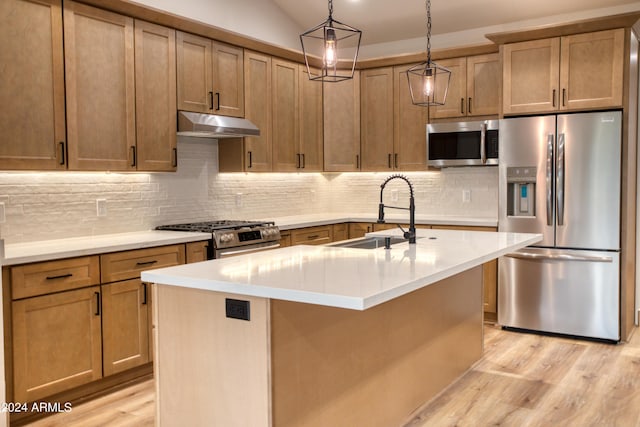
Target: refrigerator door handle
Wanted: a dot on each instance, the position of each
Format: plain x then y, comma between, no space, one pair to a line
559,257
560,179
549,179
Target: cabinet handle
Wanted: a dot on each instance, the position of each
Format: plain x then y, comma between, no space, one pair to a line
97,294
250,160
142,264
299,163
563,96
368,228
217,101
62,153
313,236
389,160
395,160
461,105
304,163
210,100
553,98
175,157
469,106
62,276
133,156
357,161
144,293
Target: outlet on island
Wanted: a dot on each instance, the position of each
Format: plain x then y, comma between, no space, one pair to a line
237,309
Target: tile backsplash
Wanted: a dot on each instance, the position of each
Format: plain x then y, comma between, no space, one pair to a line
52,205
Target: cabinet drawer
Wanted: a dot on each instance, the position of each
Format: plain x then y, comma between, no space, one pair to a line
128,265
54,276
311,236
197,251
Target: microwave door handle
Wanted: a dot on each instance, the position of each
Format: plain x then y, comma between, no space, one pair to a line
549,179
483,137
560,179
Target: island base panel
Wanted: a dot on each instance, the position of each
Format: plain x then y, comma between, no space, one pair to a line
210,370
340,367
296,364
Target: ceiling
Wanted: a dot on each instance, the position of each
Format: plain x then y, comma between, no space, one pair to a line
392,20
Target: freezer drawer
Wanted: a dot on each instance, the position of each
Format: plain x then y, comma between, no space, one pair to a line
566,292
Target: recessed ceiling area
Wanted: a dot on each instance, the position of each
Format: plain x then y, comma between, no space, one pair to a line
383,21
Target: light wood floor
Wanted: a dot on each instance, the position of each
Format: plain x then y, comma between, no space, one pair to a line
522,380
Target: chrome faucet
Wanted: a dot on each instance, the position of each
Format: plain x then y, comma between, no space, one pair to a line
411,234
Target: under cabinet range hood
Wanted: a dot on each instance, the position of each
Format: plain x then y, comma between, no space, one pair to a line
212,126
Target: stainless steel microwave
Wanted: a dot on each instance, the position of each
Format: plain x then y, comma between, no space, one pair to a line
462,143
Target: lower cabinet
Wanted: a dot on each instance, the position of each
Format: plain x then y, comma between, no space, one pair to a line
57,343
125,325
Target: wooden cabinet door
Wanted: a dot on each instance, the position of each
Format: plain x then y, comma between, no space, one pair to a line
125,325
591,70
155,65
530,76
359,229
196,251
56,343
456,102
284,110
310,120
341,109
410,126
377,119
484,78
228,80
99,63
257,79
32,114
194,73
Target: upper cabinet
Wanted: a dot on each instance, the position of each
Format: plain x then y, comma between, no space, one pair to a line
341,109
100,84
393,129
155,57
376,125
310,155
210,76
32,122
409,126
571,72
474,89
258,98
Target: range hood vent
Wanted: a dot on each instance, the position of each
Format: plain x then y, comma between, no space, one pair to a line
212,126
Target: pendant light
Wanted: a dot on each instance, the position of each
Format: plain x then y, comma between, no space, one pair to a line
331,47
428,82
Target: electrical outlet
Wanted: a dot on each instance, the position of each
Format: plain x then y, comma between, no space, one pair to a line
237,309
101,207
3,217
394,195
466,196
238,200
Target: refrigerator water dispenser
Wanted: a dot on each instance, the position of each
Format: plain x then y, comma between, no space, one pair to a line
521,191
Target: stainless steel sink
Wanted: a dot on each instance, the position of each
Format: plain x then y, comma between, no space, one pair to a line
367,242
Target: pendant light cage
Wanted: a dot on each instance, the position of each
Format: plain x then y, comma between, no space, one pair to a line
428,81
331,47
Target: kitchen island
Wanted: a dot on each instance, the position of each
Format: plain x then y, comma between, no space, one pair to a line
334,336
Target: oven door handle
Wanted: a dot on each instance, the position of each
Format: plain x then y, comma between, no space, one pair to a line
225,252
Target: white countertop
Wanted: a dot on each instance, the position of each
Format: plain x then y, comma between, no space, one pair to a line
21,253
48,250
345,277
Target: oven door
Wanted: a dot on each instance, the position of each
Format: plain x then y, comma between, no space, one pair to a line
243,250
462,143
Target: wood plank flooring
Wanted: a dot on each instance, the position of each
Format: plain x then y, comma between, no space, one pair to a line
522,380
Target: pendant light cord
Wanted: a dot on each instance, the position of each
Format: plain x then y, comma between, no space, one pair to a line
330,10
428,2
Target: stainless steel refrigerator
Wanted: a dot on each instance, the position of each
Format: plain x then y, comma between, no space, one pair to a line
560,176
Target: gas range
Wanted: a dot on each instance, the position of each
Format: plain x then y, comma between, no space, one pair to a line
233,237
